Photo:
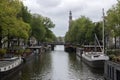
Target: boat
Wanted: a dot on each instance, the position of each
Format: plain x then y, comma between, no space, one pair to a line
94,59
9,65
79,51
69,48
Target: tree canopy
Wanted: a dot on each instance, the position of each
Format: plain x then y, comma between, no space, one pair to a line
82,31
16,21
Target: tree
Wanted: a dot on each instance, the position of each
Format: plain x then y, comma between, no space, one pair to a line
8,11
37,25
48,23
80,31
17,22
10,25
113,21
24,14
41,28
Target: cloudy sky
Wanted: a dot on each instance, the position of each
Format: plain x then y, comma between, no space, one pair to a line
58,10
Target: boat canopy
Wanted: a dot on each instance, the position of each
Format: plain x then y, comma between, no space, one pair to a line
94,48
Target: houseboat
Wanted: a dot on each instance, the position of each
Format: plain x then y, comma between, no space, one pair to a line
9,65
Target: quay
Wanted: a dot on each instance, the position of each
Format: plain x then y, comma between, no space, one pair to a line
112,70
36,49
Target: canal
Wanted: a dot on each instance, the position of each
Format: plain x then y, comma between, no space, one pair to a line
57,65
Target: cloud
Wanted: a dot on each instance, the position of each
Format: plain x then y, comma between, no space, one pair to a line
48,3
58,10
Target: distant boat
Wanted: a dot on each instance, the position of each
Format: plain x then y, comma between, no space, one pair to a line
93,58
9,65
69,48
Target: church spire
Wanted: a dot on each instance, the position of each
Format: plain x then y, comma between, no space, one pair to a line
70,18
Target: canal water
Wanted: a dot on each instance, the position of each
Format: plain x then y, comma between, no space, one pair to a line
57,65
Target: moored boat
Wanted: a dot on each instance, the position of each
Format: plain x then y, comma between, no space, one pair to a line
93,58
95,55
9,65
79,51
69,48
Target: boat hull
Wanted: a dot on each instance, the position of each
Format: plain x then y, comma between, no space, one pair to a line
94,63
16,65
9,72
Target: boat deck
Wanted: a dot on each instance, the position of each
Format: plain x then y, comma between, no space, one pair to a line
5,63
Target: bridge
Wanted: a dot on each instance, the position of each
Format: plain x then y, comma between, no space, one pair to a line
61,43
57,43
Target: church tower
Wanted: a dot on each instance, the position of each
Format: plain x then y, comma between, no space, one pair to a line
70,18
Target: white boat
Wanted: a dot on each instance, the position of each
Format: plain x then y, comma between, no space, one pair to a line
8,65
79,51
94,59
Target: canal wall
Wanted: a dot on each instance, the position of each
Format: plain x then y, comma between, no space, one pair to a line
37,50
111,70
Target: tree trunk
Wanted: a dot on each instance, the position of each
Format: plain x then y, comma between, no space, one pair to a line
18,41
8,42
115,42
119,42
28,42
0,41
0,37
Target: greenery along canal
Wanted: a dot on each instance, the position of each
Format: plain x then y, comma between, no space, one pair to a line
57,65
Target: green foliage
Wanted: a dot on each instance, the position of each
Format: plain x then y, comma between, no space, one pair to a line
19,52
113,52
2,52
49,36
41,28
48,23
10,24
113,21
82,31
114,58
24,14
9,7
17,22
27,51
38,29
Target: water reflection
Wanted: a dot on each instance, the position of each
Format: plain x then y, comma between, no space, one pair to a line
57,65
60,65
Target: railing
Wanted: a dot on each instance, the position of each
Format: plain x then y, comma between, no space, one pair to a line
112,70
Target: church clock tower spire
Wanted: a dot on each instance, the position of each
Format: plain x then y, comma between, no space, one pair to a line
70,18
